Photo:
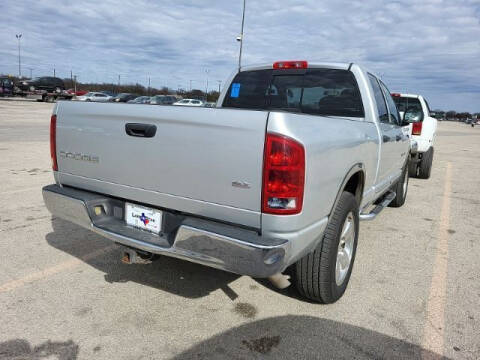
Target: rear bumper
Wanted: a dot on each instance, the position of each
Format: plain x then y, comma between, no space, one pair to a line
423,144
413,146
239,250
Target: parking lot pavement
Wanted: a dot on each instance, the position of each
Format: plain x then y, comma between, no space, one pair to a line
64,294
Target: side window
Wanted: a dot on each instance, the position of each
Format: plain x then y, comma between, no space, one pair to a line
392,107
381,105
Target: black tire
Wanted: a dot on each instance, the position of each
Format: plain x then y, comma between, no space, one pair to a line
425,167
412,168
315,273
401,190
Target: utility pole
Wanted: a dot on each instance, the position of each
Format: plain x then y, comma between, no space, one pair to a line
53,72
71,76
240,38
75,84
18,36
148,90
219,85
118,80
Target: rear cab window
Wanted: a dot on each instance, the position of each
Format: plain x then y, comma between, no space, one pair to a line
404,103
316,91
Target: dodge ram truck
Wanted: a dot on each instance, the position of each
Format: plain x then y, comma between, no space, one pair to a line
272,181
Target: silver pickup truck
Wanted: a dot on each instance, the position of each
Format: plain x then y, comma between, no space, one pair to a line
272,181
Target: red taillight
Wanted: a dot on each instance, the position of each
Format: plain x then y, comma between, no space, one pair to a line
417,128
283,175
53,142
302,64
395,94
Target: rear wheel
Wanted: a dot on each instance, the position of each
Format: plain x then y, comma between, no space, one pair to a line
401,189
323,274
412,168
425,167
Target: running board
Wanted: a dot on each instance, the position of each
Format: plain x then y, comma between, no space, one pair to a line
385,202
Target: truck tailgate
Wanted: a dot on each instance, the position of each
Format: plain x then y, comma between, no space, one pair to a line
189,165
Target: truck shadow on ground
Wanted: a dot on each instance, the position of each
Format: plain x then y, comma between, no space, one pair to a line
304,337
169,274
21,349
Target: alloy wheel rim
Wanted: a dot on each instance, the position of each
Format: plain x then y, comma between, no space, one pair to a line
345,249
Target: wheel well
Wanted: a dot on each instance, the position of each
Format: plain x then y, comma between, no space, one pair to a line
355,185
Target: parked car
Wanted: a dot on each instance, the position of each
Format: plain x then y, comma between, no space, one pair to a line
6,86
124,97
422,129
163,100
279,177
210,104
95,96
77,93
189,102
140,100
46,83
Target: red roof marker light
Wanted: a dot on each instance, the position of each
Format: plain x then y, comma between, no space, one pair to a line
296,64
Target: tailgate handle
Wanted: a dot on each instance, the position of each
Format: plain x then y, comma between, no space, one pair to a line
140,130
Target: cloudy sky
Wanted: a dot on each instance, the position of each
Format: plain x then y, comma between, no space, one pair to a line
430,47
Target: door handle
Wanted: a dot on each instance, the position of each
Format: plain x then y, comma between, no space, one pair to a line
386,138
140,130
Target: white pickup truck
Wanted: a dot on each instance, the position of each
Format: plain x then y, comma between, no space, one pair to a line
274,179
423,127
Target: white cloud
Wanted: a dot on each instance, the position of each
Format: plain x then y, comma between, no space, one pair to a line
430,47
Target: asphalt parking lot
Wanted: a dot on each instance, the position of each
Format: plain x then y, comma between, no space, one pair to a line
64,293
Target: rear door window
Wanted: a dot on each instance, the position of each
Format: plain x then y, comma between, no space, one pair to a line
392,107
379,99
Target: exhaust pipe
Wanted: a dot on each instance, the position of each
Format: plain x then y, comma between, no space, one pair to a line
131,256
280,281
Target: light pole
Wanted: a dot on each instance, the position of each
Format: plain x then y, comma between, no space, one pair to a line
219,85
240,38
18,36
206,87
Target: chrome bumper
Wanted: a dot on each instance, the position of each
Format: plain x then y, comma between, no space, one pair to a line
209,243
